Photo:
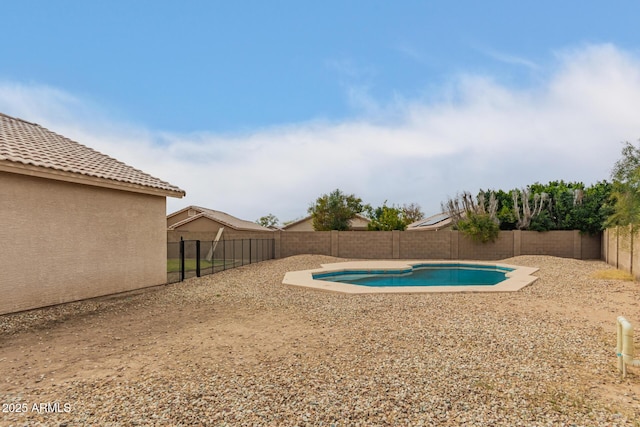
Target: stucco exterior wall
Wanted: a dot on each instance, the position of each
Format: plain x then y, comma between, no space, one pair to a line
63,242
301,226
356,224
201,224
359,224
177,218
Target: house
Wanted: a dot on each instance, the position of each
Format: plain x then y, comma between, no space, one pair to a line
359,223
76,223
194,222
440,221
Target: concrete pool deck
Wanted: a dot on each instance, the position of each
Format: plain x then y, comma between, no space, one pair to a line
516,279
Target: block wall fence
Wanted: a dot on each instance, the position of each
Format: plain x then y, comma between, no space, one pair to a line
443,244
621,249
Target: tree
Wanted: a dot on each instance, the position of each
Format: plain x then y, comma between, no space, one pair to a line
479,227
558,205
524,214
571,206
476,219
334,211
625,196
268,221
457,207
506,217
592,213
563,199
628,166
464,204
412,212
386,218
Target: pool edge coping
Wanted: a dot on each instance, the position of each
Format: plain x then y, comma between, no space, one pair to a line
517,279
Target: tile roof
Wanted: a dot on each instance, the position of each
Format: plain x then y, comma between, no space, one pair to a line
434,222
31,144
221,217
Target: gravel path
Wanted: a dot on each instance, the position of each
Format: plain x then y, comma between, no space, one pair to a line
240,349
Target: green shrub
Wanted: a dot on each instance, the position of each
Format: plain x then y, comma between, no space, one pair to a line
479,227
386,218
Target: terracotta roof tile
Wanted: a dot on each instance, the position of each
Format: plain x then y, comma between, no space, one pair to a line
31,144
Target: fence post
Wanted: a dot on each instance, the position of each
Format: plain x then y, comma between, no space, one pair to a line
181,259
213,260
517,242
197,258
334,248
395,244
250,244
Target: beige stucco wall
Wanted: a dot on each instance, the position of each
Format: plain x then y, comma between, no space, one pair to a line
306,225
177,218
63,242
357,224
201,224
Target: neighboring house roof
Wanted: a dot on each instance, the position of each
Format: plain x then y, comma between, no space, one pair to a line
28,148
296,222
359,218
434,222
218,216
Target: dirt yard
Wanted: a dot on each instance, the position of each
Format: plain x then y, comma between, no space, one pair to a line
239,348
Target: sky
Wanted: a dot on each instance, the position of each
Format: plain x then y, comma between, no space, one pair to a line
257,107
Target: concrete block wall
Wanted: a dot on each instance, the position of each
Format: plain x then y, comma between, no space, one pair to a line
501,248
420,245
621,249
304,242
557,243
444,244
625,252
591,246
361,244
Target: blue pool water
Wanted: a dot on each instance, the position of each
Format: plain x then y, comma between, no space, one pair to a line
423,275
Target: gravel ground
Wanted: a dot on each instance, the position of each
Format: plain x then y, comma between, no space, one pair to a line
240,349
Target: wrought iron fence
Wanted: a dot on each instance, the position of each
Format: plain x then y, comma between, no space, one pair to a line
195,258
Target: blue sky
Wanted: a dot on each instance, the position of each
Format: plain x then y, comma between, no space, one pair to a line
258,107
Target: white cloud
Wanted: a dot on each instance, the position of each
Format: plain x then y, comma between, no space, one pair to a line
510,59
487,135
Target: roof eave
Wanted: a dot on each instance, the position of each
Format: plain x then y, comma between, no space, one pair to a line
172,214
76,178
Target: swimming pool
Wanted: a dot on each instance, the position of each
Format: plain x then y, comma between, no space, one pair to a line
358,277
422,275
